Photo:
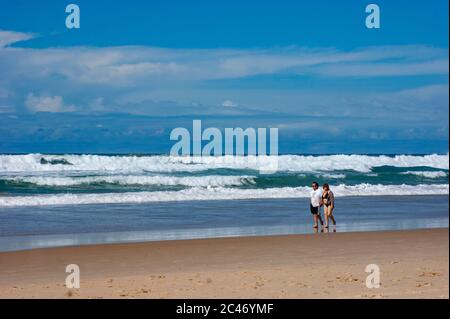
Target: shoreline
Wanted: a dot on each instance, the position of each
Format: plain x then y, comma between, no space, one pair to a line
413,264
143,242
129,223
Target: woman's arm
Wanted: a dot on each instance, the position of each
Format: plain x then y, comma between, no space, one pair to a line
331,199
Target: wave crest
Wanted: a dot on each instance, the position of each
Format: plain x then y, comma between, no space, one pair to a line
220,193
163,163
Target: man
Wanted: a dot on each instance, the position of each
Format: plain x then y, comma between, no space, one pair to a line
316,197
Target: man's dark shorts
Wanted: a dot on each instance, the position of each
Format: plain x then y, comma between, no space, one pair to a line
314,210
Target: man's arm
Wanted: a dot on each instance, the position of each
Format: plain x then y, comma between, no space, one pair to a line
320,198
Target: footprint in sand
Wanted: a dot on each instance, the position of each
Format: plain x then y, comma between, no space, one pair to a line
423,284
429,274
144,291
347,279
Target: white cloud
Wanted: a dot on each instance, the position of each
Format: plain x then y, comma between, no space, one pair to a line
439,66
10,37
229,103
426,93
131,66
45,103
150,80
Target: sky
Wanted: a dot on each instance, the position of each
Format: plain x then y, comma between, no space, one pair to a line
135,70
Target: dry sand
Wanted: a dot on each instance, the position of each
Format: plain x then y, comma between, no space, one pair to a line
413,264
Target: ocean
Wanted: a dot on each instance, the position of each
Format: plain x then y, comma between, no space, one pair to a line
57,200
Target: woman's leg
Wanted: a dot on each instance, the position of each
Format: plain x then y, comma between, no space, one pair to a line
325,215
330,210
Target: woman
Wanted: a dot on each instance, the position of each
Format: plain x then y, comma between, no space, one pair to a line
328,204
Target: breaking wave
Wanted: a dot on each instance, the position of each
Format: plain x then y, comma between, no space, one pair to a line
219,193
163,163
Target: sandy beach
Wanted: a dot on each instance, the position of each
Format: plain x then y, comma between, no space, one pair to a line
413,264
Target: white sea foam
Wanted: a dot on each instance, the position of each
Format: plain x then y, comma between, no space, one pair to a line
156,180
295,163
219,193
333,176
428,174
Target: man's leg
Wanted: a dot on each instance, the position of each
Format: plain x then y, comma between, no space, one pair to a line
319,217
314,212
315,220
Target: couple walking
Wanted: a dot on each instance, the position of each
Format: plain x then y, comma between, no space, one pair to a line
322,198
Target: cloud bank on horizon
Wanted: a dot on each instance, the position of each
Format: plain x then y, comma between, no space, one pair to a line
139,74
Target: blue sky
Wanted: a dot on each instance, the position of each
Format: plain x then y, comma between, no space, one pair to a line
135,70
